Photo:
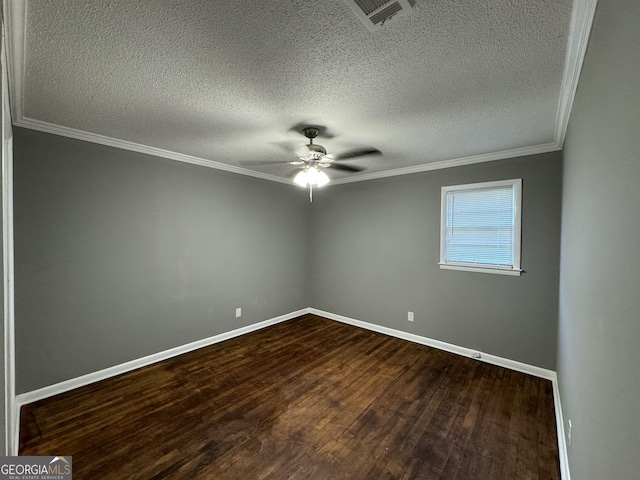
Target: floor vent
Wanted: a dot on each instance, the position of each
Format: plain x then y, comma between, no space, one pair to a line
376,13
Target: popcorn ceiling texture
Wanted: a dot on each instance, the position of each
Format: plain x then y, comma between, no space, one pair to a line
226,81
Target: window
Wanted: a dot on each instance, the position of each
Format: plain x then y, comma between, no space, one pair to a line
480,227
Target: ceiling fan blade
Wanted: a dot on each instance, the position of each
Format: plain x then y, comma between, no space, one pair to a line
252,163
287,146
346,168
360,152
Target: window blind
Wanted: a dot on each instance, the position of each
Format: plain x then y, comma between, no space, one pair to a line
480,226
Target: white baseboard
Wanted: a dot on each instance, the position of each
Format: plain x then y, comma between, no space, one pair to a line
56,389
447,347
565,474
73,383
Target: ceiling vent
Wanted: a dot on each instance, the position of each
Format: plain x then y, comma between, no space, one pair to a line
375,13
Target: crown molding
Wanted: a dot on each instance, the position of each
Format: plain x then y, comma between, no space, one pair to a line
137,147
581,23
454,162
582,16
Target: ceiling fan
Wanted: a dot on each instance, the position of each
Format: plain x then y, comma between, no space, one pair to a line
312,158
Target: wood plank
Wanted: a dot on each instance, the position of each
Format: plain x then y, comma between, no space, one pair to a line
306,399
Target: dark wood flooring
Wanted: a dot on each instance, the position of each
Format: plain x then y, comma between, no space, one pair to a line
306,399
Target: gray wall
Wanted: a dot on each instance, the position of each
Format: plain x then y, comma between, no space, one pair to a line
120,255
599,321
377,246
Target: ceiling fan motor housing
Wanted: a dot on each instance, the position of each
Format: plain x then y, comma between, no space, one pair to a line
311,151
310,132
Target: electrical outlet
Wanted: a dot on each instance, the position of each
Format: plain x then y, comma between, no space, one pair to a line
410,316
238,312
569,433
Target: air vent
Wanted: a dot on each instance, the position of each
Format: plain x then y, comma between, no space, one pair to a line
376,13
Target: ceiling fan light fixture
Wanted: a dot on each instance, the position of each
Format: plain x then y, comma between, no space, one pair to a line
313,159
301,178
322,179
316,177
311,176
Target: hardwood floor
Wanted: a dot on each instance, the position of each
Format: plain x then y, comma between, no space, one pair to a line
306,399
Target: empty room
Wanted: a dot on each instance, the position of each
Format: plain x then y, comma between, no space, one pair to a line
344,239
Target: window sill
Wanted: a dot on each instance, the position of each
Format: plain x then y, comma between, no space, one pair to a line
466,268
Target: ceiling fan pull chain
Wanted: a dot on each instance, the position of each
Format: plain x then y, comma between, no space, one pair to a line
310,193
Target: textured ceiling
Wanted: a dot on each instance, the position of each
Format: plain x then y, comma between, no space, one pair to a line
226,81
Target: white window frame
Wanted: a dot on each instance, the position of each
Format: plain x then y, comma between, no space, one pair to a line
516,183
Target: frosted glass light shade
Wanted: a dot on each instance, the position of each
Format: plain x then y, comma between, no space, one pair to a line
311,176
322,179
301,178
